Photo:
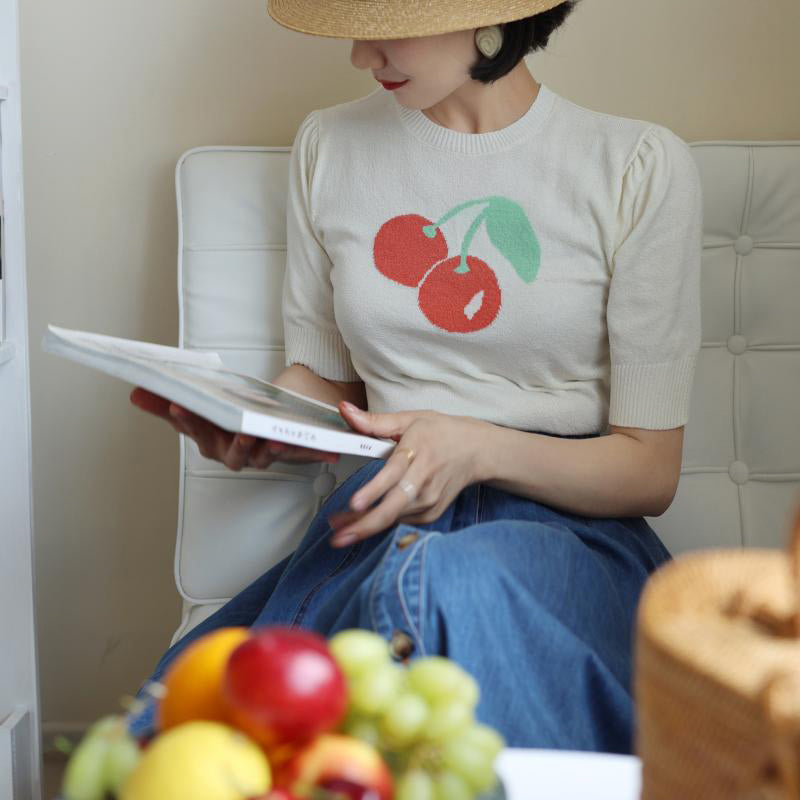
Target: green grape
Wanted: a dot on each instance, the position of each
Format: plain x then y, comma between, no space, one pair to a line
415,784
84,778
364,729
438,679
470,762
105,725
446,720
121,759
485,738
468,691
449,785
374,691
358,651
404,718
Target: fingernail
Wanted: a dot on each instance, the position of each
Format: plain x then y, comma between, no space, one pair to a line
342,540
274,449
357,503
245,440
351,407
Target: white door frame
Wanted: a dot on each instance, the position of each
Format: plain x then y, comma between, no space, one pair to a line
20,748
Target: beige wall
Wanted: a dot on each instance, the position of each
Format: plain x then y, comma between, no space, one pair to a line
113,93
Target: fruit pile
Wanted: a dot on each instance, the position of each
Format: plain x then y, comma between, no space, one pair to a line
282,714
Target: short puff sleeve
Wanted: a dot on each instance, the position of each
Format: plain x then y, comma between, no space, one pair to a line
311,335
653,311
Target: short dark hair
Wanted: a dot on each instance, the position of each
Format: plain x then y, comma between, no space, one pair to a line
521,37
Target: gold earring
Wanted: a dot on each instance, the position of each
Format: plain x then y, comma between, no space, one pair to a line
489,40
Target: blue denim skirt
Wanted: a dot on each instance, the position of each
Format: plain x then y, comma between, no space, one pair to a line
539,605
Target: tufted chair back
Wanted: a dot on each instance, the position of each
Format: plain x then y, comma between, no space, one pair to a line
741,465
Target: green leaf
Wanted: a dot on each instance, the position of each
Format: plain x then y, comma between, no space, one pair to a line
512,234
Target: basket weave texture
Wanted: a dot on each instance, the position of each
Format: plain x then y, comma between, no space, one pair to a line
718,677
398,19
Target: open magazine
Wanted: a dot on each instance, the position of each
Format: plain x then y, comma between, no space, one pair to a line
199,381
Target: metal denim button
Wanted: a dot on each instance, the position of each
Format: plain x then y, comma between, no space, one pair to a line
407,539
401,645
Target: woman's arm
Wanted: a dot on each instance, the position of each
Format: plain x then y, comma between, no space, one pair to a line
631,472
301,379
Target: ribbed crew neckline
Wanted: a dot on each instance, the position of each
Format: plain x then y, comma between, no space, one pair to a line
478,143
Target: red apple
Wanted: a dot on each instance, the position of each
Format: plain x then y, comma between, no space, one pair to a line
275,794
282,685
340,764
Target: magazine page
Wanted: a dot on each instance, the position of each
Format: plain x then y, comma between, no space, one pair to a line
256,395
129,348
205,373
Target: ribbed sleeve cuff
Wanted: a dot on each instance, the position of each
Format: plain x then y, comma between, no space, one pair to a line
654,396
324,353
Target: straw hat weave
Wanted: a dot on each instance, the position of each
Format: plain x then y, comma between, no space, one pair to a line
398,19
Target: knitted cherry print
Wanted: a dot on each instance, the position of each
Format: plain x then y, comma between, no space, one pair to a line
404,253
459,294
460,302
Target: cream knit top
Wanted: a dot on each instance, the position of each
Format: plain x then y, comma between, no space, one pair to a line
545,276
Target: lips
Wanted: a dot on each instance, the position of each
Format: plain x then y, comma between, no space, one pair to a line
392,84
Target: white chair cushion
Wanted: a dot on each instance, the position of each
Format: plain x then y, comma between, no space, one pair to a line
741,466
741,460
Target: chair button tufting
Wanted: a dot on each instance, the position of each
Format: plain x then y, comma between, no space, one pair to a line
737,344
401,645
324,483
739,472
743,245
407,539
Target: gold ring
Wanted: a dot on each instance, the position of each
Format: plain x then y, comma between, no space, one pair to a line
409,453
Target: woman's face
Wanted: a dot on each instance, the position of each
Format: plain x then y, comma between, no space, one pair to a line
434,66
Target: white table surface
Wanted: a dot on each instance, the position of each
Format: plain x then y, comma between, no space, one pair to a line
568,775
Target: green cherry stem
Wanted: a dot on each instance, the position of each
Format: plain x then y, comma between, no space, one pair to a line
459,209
430,230
473,229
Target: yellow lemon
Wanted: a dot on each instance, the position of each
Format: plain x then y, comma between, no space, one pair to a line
199,761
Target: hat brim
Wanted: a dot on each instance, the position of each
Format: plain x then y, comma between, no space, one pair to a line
398,19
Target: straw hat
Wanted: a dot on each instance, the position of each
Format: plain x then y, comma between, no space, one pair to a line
398,19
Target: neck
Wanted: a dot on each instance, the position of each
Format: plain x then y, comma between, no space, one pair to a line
476,107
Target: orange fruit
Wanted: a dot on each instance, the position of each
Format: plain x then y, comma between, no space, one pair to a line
194,680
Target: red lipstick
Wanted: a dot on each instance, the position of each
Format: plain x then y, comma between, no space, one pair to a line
392,86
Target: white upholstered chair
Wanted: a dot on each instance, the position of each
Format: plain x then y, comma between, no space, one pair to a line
741,466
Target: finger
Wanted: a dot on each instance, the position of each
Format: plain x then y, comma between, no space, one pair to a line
340,519
260,455
202,430
238,452
390,426
152,403
395,468
395,503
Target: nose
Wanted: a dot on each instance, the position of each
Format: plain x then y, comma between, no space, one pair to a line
366,55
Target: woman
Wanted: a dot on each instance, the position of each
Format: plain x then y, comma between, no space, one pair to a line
509,282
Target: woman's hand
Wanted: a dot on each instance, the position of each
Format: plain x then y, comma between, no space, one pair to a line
234,450
436,457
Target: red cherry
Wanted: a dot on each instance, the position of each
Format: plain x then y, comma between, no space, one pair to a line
460,302
404,253
283,685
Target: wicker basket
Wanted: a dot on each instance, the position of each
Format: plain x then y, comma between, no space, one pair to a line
718,676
